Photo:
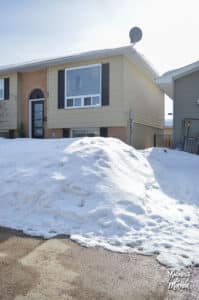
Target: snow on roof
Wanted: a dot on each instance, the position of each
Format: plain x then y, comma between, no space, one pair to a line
128,51
165,81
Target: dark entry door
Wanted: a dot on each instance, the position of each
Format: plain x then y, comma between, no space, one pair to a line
37,119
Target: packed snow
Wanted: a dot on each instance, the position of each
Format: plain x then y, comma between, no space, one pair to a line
105,193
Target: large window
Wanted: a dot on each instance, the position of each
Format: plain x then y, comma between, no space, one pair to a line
1,89
83,86
82,132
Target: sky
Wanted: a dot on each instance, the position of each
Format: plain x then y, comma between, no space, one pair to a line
33,29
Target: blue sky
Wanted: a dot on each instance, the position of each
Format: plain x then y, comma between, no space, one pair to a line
32,29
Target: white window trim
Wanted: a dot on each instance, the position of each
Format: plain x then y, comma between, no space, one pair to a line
3,98
83,96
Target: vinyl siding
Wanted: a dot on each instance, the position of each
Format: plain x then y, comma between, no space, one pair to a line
130,89
142,97
186,93
8,120
107,116
143,136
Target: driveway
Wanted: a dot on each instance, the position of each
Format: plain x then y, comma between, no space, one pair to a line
37,269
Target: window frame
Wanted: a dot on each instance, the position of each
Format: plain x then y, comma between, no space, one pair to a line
3,97
83,96
84,129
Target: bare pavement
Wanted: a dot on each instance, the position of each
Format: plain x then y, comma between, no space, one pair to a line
36,269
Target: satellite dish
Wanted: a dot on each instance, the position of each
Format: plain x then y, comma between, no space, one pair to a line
135,35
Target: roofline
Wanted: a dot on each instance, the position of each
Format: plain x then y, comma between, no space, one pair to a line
128,51
166,81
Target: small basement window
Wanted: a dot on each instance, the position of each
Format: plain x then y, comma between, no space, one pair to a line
1,89
83,132
83,86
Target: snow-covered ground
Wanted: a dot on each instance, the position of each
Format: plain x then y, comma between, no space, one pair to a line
103,193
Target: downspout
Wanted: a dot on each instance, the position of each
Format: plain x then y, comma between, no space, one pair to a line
130,128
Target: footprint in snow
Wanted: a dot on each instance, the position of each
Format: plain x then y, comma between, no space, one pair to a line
152,185
167,245
156,218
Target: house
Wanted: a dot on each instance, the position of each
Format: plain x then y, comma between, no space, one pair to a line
109,92
182,85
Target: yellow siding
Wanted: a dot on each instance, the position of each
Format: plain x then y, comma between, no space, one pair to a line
8,119
112,115
130,90
142,97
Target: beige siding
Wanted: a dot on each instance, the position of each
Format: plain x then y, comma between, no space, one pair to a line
8,108
142,97
130,90
143,136
112,115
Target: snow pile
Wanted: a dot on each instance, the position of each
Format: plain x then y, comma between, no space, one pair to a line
103,193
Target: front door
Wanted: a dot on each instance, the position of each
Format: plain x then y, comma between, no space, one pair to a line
37,119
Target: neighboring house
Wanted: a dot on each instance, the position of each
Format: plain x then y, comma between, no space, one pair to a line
182,85
108,92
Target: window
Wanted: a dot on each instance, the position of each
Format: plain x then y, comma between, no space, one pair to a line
87,101
82,132
69,102
96,100
77,101
1,89
37,94
83,86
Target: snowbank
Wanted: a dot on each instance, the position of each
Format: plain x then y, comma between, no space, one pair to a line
103,193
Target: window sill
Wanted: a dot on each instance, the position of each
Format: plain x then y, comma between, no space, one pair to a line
83,107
